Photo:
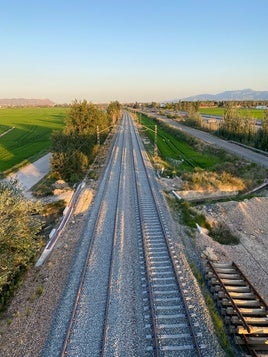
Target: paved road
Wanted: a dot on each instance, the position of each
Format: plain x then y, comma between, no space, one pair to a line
226,145
29,175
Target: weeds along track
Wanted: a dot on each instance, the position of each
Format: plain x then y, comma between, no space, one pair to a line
245,312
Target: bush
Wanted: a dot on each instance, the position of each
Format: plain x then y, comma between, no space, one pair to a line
19,240
190,217
222,234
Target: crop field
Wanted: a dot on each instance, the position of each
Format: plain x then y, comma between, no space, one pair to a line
25,133
253,113
173,147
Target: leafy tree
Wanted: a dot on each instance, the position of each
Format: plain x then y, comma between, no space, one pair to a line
194,119
114,111
262,134
75,146
196,106
177,106
231,125
83,119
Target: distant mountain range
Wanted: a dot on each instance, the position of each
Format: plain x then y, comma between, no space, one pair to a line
22,102
244,94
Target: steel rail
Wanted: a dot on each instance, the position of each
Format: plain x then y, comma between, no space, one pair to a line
188,316
251,286
93,236
155,332
116,220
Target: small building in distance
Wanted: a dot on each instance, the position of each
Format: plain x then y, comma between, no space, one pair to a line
263,107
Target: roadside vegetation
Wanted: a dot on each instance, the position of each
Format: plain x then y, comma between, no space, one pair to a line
237,125
30,137
241,120
201,166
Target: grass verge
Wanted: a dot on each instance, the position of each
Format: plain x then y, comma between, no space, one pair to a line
215,316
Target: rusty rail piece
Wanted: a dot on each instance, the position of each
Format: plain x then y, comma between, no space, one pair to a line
251,286
231,300
241,304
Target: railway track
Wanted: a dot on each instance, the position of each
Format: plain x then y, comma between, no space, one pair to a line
68,335
73,336
106,309
170,330
245,312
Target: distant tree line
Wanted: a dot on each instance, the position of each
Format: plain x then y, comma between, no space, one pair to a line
190,105
240,128
75,147
236,126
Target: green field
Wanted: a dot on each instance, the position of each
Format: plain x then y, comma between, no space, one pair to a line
253,113
30,138
174,147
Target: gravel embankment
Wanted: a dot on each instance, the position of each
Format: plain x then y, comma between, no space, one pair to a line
249,221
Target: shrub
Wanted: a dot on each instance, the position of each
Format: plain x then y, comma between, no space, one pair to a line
190,217
222,234
19,240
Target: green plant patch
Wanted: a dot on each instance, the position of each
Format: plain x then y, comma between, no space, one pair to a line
188,215
222,234
215,316
218,325
252,113
30,138
175,145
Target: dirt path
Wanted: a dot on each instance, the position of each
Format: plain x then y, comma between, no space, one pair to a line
30,174
7,131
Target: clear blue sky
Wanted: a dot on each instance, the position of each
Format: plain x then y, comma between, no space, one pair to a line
144,50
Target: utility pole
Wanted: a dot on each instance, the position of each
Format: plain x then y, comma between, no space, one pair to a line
155,141
98,143
98,137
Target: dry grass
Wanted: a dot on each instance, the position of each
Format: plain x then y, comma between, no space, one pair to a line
211,181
